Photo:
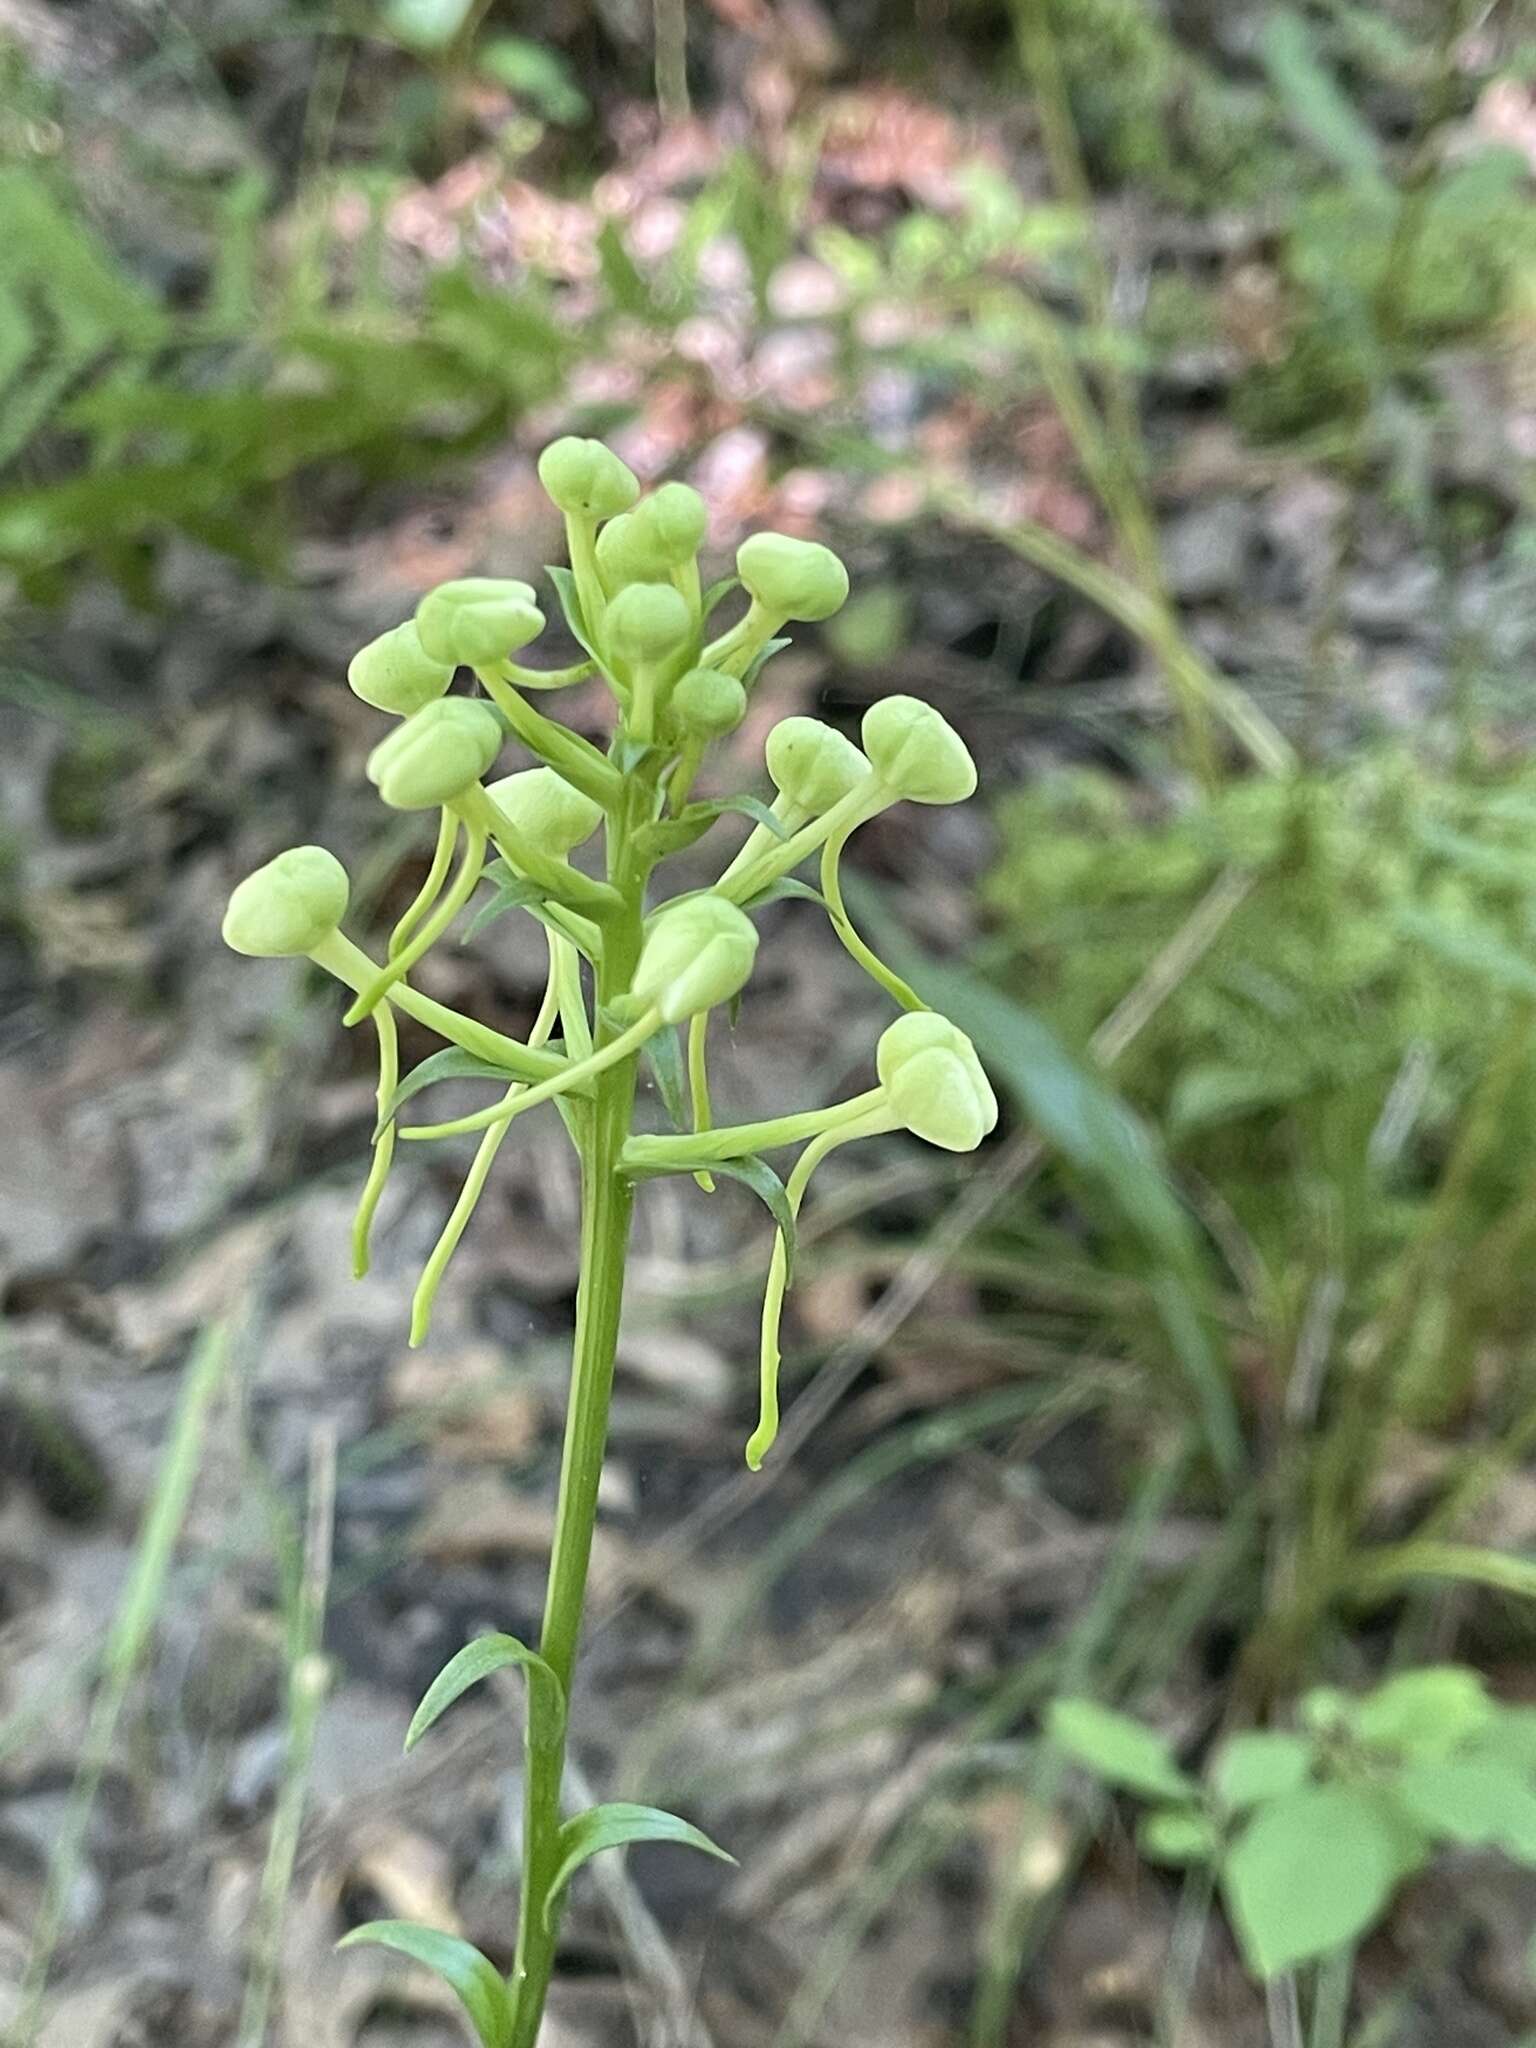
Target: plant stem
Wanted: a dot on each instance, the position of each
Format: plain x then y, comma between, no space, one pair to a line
607,1198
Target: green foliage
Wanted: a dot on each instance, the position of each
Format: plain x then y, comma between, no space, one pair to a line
1271,1067
473,1979
475,1663
615,1827
1312,1832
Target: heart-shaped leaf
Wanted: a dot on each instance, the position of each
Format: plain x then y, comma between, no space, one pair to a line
1314,1870
612,1827
476,1661
476,1981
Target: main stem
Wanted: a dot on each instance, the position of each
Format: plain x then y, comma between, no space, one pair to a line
606,1202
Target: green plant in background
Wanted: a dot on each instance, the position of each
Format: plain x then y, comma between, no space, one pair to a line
1312,1829
632,598
1343,1077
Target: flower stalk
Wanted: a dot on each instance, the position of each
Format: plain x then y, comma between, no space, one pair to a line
633,601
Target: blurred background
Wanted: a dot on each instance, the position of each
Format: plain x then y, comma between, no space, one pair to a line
1166,372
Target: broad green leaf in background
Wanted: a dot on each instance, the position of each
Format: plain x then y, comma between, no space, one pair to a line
475,1662
1312,1871
613,1827
537,74
475,1980
1258,1765
1118,1750
1475,1801
1425,1713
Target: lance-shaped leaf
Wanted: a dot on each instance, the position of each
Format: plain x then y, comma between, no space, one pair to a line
672,835
570,605
451,1064
753,1172
613,1827
475,1981
664,1057
476,1661
786,889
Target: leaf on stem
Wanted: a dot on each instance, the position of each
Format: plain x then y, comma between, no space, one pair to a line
786,888
672,835
451,1064
513,892
471,1976
753,1172
764,654
476,1661
570,605
613,1827
664,1057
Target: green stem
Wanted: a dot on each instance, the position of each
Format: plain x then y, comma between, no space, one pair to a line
688,1149
606,1202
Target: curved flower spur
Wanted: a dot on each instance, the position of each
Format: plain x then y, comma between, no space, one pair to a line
624,973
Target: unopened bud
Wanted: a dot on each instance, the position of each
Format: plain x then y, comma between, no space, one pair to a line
792,579
543,808
396,673
708,703
646,622
812,764
698,953
917,753
934,1084
673,519
289,906
436,754
478,620
626,553
586,479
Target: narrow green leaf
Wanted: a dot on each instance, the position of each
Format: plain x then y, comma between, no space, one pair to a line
764,654
1474,946
786,889
476,1661
718,591
1315,104
1118,1750
1313,1871
623,283
451,1064
664,1056
613,1827
1257,1765
570,605
753,1172
513,892
475,1980
672,835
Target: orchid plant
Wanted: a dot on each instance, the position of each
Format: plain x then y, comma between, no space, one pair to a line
627,976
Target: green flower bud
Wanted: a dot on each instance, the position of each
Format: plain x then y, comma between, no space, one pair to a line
626,553
698,953
586,479
646,622
436,754
917,753
812,764
708,703
289,906
395,672
673,521
545,810
934,1083
792,579
478,620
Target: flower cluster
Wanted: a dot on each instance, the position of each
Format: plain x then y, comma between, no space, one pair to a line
623,972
